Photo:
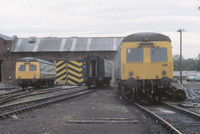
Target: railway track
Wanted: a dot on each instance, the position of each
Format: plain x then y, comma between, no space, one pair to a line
5,98
175,119
11,92
11,109
195,107
12,96
4,95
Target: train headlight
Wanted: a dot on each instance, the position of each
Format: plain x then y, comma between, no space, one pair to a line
130,73
164,72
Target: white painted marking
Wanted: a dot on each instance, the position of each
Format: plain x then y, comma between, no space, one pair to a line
36,45
18,45
73,44
88,44
62,44
114,44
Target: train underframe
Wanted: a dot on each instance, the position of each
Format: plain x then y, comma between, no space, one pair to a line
149,91
36,83
97,83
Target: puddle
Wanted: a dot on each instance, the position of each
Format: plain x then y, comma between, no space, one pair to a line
165,111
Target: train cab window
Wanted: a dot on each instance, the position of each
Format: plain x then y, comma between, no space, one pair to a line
22,68
32,68
158,54
134,55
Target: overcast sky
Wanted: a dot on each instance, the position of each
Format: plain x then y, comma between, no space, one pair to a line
103,18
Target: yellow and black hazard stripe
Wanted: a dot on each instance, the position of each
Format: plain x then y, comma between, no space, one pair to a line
75,73
61,69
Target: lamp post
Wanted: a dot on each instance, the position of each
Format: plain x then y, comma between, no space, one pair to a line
180,31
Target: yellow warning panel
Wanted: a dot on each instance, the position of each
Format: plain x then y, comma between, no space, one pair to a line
75,73
61,69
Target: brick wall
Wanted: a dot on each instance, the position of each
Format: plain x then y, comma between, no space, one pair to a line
6,66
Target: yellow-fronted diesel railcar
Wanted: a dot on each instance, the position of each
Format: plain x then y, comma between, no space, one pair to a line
144,65
35,72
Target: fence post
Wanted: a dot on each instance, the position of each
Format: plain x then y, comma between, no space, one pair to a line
10,81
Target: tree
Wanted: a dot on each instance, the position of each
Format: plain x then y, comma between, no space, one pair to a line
176,62
198,62
190,64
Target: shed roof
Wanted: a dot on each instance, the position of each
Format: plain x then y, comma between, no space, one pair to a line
6,38
55,44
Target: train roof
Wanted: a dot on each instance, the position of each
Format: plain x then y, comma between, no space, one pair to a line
96,57
32,59
92,57
146,36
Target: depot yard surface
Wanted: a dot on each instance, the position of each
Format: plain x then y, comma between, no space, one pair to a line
102,111
191,85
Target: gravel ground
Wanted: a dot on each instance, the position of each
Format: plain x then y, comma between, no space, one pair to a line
192,85
192,104
104,103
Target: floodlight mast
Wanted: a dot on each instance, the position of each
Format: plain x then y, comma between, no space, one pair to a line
181,31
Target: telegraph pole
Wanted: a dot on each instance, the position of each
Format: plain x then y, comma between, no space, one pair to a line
180,31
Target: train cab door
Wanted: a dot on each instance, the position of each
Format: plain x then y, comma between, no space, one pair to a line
93,68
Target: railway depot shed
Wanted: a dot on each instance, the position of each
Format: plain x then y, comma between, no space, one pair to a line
6,43
68,51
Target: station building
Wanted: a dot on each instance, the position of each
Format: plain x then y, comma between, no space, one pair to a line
64,51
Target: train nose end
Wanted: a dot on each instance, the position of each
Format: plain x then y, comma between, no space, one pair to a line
100,78
131,82
85,78
19,80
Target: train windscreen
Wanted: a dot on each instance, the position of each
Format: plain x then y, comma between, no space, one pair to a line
22,68
159,54
32,68
134,55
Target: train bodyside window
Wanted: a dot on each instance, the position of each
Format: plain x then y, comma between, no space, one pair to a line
41,67
134,55
48,68
32,68
22,68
